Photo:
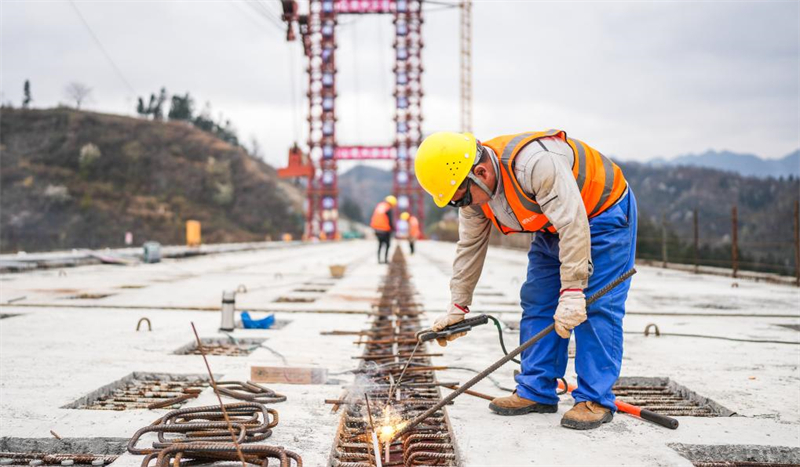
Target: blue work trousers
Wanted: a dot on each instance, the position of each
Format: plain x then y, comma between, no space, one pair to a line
598,339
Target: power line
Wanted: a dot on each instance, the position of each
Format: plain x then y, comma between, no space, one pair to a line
251,18
386,81
265,12
260,12
277,13
354,19
102,49
357,90
437,9
441,5
276,19
449,4
295,107
239,7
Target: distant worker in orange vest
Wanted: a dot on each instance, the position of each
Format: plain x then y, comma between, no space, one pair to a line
383,224
582,213
413,229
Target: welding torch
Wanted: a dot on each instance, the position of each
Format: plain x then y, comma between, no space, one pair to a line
462,326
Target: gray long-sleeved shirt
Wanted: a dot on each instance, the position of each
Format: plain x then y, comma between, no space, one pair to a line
544,172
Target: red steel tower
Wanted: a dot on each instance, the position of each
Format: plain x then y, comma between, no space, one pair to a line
318,32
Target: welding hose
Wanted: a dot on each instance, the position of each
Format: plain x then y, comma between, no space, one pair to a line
500,335
649,415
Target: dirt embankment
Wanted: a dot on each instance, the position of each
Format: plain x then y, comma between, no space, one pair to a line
75,179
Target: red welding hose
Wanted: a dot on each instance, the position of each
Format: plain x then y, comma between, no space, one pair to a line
662,420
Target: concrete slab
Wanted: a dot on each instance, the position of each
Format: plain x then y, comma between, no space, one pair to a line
59,349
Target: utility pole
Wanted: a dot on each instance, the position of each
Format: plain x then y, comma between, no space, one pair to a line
663,241
735,243
696,243
797,241
466,66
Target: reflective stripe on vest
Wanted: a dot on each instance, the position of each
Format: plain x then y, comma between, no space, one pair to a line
599,180
380,220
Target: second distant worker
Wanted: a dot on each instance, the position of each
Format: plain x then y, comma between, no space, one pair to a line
383,224
413,229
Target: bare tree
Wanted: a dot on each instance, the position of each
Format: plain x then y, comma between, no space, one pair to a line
26,95
255,147
77,92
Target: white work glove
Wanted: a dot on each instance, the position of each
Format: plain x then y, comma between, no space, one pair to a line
571,311
455,314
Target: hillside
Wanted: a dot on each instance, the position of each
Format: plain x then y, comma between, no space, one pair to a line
74,179
765,210
365,186
743,164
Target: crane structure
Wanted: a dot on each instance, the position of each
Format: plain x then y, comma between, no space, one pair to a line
466,66
317,30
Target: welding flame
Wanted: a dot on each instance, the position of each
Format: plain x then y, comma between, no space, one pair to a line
390,423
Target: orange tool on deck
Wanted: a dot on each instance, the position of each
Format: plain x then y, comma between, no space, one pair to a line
662,420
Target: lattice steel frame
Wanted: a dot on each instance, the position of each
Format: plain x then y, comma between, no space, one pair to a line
466,66
408,103
319,41
318,31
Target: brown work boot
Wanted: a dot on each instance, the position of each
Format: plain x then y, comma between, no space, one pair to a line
586,416
516,405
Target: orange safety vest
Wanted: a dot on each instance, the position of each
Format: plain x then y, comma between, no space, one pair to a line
599,179
413,228
380,218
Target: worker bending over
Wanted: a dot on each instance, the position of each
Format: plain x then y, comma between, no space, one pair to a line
583,214
413,232
383,224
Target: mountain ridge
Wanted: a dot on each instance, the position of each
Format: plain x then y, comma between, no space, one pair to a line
742,163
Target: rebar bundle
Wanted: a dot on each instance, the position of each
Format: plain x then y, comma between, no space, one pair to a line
249,391
201,434
250,422
255,454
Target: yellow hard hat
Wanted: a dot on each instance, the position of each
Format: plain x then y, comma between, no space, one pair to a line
405,216
442,162
391,200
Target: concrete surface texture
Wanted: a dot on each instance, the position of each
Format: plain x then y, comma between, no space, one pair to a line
56,349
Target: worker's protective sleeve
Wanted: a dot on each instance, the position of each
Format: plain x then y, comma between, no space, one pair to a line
473,241
554,188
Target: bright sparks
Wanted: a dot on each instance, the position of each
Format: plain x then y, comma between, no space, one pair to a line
390,424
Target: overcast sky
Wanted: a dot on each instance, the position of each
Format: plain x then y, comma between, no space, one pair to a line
634,79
